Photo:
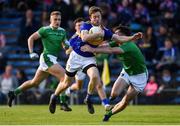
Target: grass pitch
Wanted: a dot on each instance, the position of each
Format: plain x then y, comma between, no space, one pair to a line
39,115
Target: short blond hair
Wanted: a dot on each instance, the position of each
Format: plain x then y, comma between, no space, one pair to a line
94,9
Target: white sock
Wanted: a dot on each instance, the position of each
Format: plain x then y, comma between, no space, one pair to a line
68,91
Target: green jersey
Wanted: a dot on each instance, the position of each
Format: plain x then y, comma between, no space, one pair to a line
52,39
132,59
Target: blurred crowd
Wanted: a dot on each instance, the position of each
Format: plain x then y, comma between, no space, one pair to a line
159,20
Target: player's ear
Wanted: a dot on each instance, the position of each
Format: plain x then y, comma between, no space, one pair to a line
90,17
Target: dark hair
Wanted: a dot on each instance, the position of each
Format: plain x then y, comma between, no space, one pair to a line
55,13
169,39
78,20
94,9
123,29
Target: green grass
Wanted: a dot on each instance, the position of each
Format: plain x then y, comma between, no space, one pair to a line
39,115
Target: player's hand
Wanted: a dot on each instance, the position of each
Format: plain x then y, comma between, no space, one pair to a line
86,48
137,36
34,55
100,34
68,51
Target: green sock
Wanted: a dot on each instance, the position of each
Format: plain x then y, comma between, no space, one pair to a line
110,113
17,91
62,98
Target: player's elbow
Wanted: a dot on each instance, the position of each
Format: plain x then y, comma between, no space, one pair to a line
31,38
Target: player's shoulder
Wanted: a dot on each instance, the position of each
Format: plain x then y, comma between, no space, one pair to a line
61,29
43,30
105,28
74,36
86,26
87,23
45,27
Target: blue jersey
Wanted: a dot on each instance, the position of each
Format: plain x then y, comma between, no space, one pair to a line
76,41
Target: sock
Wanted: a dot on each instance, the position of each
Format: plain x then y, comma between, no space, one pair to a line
105,101
17,91
110,113
62,98
68,91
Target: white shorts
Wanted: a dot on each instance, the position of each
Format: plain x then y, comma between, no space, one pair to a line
80,75
46,61
78,63
138,81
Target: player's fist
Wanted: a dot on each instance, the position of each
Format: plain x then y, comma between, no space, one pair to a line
137,36
34,55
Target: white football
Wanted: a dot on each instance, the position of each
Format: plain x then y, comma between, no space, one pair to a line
96,29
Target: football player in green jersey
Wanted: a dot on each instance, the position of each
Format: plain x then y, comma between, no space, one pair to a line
53,37
133,75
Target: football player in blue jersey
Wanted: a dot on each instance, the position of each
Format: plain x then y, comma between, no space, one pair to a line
79,77
86,61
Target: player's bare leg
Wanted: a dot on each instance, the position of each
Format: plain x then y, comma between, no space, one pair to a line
64,97
38,78
119,85
64,83
95,82
60,90
130,95
77,86
59,72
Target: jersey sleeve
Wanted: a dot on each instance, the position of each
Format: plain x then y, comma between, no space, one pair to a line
42,32
107,34
85,26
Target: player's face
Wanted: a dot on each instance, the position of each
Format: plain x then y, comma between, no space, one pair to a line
77,26
55,21
96,18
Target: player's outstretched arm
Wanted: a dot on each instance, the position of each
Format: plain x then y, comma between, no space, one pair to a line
109,50
122,39
86,37
31,40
